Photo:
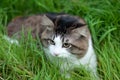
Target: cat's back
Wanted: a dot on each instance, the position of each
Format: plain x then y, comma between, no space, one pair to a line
34,23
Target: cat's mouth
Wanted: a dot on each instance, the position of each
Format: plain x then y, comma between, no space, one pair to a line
55,54
60,55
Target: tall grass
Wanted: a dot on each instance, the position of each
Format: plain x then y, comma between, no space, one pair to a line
28,62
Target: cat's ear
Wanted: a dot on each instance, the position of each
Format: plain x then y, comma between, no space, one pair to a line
52,16
46,21
82,31
76,25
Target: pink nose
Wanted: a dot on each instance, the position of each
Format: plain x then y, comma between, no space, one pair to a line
56,54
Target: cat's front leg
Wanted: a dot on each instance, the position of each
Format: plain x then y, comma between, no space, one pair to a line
12,41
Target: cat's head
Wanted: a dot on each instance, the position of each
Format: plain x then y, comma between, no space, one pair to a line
67,35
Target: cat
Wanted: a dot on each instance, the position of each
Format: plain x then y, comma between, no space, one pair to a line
65,38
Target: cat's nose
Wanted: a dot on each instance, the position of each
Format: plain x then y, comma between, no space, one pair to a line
56,54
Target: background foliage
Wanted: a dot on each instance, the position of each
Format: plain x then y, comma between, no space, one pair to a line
27,62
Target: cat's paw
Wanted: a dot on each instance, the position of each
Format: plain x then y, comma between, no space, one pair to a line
12,41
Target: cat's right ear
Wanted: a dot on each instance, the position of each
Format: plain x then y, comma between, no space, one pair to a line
46,21
52,16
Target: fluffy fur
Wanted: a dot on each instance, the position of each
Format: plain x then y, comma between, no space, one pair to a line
66,39
67,61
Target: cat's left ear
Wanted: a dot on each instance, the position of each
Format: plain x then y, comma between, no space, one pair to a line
81,31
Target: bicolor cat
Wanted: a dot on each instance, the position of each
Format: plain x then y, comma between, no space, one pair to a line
66,39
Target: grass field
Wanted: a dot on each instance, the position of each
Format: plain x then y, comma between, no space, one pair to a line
27,62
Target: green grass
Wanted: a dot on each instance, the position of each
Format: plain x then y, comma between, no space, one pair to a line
27,62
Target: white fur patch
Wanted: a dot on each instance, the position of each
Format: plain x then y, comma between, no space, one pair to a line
12,41
67,60
57,49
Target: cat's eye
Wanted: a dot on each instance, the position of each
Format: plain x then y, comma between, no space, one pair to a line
66,45
51,41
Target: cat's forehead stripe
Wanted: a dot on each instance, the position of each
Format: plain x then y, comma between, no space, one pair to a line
62,39
53,37
65,23
58,41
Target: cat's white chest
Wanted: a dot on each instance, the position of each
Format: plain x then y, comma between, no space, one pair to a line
62,63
